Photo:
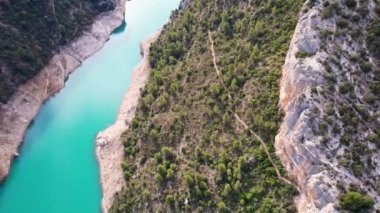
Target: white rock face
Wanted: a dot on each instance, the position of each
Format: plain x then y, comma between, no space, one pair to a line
16,115
316,167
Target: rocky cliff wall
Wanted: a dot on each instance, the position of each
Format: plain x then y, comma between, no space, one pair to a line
325,88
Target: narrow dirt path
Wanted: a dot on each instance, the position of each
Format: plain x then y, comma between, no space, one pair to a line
216,66
246,127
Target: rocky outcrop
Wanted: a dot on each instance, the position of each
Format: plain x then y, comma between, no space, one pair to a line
20,110
311,143
109,146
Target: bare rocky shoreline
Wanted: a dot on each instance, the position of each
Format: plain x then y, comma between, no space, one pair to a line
109,147
19,112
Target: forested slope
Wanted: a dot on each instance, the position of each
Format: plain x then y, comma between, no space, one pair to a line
31,31
204,130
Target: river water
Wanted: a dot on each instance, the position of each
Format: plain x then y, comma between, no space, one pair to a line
57,170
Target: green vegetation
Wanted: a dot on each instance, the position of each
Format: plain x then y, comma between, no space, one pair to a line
303,54
356,201
351,3
31,31
185,147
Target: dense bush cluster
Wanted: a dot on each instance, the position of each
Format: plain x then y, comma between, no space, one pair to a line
31,31
214,163
355,201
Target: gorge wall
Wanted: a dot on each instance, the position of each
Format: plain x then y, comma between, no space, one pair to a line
329,139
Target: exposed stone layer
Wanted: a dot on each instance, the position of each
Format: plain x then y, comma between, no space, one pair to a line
20,110
315,164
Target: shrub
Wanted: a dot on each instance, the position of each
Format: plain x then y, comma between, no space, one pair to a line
163,100
342,23
135,123
222,169
375,87
170,174
227,190
355,18
169,199
153,133
302,54
370,98
127,175
226,119
168,153
363,10
189,180
222,208
146,194
345,139
324,140
345,87
366,67
161,170
225,28
355,201
329,10
374,138
158,178
215,89
351,3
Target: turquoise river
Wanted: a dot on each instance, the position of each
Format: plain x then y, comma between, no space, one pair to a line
57,171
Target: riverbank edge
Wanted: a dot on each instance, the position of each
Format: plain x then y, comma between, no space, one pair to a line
109,146
18,113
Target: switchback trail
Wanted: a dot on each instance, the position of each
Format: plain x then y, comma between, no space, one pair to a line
246,127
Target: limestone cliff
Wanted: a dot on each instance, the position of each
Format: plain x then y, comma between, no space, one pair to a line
17,114
326,140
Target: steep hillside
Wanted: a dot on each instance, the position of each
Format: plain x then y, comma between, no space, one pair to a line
330,91
203,135
32,31
17,114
